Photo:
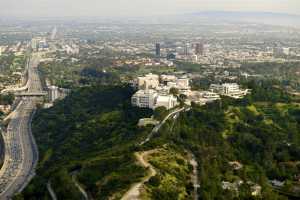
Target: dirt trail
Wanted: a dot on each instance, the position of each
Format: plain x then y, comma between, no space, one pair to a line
134,192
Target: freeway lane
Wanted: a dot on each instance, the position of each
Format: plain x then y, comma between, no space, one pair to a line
18,154
21,153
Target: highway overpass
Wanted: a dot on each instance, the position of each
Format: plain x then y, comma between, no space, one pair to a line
21,154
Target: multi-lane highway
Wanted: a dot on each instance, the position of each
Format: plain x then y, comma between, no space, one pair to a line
21,153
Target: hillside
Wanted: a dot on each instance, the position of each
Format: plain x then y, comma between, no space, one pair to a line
91,133
239,146
242,144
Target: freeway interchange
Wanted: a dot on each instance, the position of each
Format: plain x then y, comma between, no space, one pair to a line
21,154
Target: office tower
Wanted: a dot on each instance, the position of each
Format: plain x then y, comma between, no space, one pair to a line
34,44
53,34
157,49
199,50
186,50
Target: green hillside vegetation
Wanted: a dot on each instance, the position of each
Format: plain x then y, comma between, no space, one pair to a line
263,136
72,74
173,180
6,99
287,73
92,132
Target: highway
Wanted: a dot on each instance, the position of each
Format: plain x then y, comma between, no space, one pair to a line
21,154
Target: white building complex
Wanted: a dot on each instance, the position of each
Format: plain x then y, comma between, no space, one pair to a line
150,81
168,78
183,84
144,99
229,89
211,96
151,99
167,101
71,49
163,82
201,97
154,91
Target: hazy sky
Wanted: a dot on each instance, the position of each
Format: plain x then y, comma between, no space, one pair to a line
108,8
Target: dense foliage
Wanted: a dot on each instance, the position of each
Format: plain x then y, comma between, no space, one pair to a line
6,99
287,73
263,136
173,179
92,132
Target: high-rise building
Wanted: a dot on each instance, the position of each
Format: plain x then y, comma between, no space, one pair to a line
34,44
199,50
186,50
53,34
157,49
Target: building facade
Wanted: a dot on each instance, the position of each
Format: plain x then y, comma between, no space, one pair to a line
157,50
199,49
150,81
144,99
167,101
229,89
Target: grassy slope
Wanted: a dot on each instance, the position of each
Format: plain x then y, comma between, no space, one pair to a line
256,135
94,132
173,180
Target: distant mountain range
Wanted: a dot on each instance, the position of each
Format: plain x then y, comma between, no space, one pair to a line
205,17
251,17
221,17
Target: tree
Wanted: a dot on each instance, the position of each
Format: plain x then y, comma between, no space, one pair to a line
160,113
7,99
174,91
182,98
